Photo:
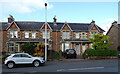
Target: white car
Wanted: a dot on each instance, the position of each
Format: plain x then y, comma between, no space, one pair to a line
23,58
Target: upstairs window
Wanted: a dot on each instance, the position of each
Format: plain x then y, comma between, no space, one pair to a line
92,34
65,35
13,34
33,35
47,35
83,35
77,35
26,34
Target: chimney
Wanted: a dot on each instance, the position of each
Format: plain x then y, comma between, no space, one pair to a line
114,23
10,19
93,22
54,21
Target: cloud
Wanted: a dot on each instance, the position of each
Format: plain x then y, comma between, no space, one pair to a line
23,6
106,23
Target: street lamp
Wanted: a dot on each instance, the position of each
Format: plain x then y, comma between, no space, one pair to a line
45,31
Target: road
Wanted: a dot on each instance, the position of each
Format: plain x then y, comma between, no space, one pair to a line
70,66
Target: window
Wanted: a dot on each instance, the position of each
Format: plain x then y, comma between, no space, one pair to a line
26,34
13,47
13,34
65,46
83,35
77,35
47,35
25,55
33,35
17,55
92,34
65,35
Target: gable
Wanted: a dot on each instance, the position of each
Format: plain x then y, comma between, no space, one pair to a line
66,27
48,27
112,30
94,28
13,26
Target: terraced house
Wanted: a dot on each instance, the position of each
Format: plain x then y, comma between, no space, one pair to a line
60,36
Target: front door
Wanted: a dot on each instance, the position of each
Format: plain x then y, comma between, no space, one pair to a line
77,49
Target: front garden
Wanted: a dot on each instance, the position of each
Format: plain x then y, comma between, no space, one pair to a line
100,49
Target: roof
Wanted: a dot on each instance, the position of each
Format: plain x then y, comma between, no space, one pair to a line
29,25
23,25
3,25
117,26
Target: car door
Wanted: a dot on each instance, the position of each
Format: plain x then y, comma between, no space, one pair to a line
17,58
26,58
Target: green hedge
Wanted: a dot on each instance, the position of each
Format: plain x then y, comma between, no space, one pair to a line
92,52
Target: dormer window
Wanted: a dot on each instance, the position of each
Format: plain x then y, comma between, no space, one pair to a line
13,34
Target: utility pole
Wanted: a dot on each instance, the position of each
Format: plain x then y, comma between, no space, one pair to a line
45,31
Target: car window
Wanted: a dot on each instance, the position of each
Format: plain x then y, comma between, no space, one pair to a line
71,51
17,55
25,55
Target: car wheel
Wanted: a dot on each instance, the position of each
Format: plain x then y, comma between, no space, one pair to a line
10,65
36,63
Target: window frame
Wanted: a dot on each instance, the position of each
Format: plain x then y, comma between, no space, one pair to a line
27,34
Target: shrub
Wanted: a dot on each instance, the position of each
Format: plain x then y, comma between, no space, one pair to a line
53,55
92,52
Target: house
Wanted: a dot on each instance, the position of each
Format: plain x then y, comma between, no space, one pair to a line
114,34
60,36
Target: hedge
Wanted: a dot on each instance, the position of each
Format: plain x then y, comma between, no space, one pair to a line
92,52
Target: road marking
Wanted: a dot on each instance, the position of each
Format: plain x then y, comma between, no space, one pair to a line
81,68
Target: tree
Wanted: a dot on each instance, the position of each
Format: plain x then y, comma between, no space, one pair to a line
28,48
100,42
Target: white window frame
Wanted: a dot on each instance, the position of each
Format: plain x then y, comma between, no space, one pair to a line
13,34
65,46
33,35
27,34
48,34
65,35
13,47
83,36
77,35
92,33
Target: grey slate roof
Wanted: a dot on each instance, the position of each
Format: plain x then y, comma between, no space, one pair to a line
3,25
79,26
37,25
29,25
